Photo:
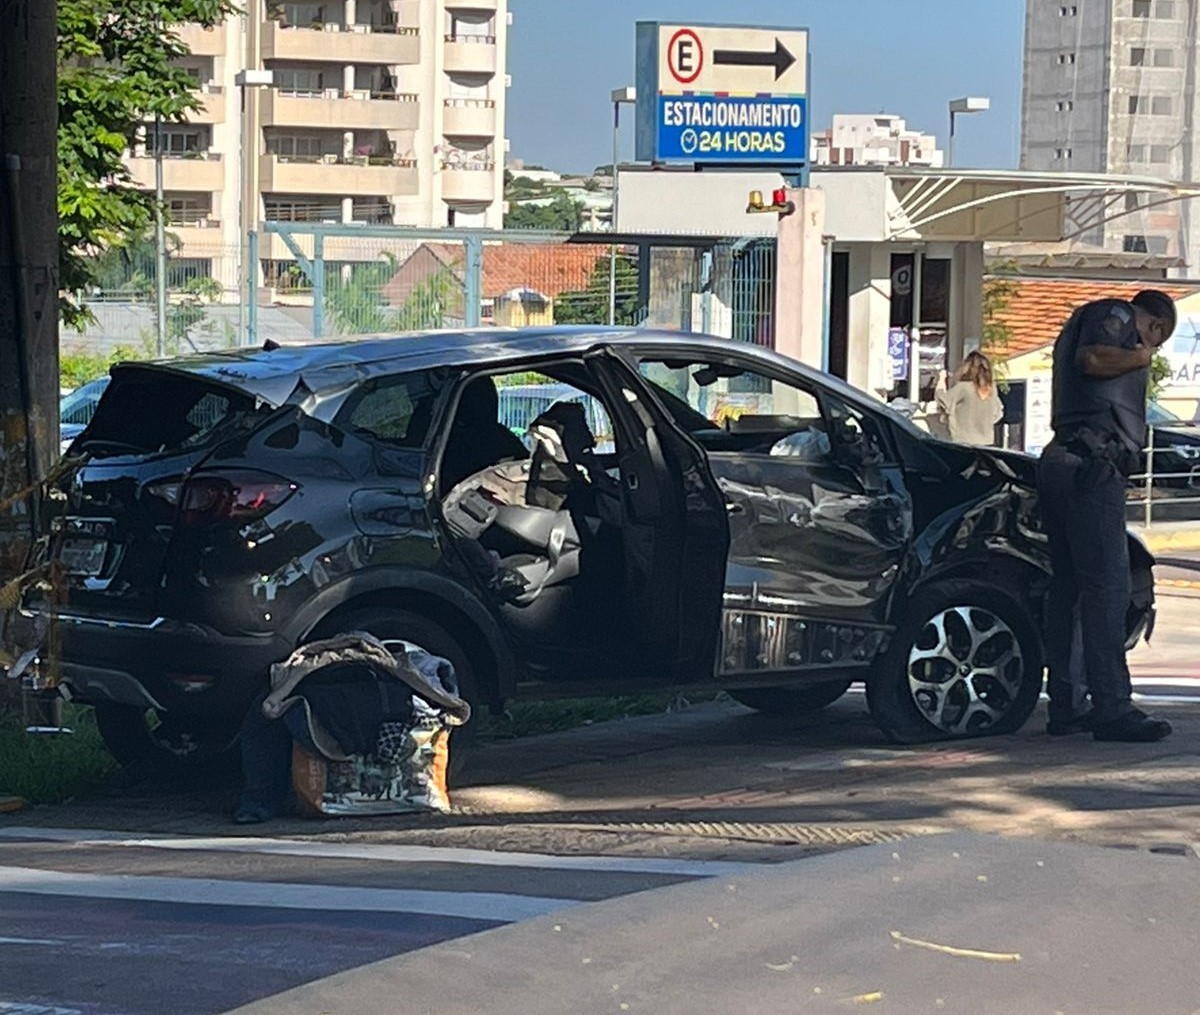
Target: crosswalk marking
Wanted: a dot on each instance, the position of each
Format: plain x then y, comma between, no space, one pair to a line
384,852
493,907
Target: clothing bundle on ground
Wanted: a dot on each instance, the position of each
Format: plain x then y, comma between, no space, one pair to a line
351,727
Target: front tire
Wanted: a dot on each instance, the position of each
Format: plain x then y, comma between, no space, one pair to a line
791,701
966,661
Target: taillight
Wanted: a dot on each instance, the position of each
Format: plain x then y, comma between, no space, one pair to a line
235,496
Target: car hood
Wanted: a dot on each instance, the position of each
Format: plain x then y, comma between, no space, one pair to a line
965,460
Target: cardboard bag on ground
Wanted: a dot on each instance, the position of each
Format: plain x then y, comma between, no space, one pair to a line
326,780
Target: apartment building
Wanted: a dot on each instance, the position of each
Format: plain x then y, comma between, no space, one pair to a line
880,140
1111,87
376,111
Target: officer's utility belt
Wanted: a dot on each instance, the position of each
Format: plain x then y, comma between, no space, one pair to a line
1105,454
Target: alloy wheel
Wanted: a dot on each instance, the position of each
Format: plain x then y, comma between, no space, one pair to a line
965,669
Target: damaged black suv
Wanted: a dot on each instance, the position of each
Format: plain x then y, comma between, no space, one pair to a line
558,511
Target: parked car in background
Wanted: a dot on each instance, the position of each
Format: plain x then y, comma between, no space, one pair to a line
757,526
75,410
1176,459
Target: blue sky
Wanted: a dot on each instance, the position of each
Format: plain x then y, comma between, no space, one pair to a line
907,57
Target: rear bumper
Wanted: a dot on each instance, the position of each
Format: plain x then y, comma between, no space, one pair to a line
135,664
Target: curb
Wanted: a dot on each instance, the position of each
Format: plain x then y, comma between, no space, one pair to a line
1158,542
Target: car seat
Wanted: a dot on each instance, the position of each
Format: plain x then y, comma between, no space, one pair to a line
532,514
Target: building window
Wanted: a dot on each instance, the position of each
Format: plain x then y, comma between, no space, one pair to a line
1165,10
304,147
1133,202
1066,59
306,81
1138,104
289,208
1160,154
188,209
1161,105
1062,153
1136,153
1137,56
1064,105
1164,58
177,141
1135,244
1141,8
1069,11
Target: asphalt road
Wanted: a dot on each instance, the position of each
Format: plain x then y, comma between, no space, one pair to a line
120,926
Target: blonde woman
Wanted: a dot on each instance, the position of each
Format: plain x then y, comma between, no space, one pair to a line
971,405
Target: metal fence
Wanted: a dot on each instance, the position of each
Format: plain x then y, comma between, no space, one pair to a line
328,280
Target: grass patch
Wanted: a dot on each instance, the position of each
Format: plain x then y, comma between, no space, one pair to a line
48,768
530,718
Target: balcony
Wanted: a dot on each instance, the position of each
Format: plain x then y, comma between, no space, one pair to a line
469,118
344,44
202,172
337,176
198,236
469,183
212,109
203,41
337,110
470,54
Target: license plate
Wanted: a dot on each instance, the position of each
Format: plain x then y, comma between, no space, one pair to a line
83,557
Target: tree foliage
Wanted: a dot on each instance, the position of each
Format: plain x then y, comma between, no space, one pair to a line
117,70
562,214
590,305
357,306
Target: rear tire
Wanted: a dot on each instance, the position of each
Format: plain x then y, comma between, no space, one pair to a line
791,701
389,624
966,661
164,745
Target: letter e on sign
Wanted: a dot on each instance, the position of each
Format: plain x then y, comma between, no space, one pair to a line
685,56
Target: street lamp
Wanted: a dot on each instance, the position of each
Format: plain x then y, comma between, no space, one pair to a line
974,104
620,97
249,80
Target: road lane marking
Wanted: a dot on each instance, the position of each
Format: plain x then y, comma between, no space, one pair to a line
391,853
30,941
493,907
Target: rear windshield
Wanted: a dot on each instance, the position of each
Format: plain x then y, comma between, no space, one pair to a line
147,411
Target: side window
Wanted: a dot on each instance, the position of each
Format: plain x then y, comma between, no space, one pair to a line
856,437
393,410
523,397
728,408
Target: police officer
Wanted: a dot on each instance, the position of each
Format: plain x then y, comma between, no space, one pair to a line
1101,370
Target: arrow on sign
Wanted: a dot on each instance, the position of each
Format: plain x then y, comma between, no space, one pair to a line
781,59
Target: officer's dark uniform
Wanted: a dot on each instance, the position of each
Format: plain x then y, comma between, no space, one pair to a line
1100,431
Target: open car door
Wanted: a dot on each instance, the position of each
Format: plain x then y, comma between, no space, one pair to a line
676,533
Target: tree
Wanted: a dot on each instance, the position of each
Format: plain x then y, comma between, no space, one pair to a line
356,306
999,289
187,311
562,215
590,305
118,70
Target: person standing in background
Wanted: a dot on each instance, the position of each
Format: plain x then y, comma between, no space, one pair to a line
971,405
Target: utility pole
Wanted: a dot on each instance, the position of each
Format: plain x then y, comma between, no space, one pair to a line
28,263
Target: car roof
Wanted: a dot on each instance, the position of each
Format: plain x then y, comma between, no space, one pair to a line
274,372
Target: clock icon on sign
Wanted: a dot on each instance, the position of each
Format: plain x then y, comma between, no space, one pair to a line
689,141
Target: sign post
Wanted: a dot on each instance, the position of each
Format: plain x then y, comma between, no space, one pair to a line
723,96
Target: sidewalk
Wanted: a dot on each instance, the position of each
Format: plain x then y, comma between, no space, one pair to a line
1165,537
720,782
